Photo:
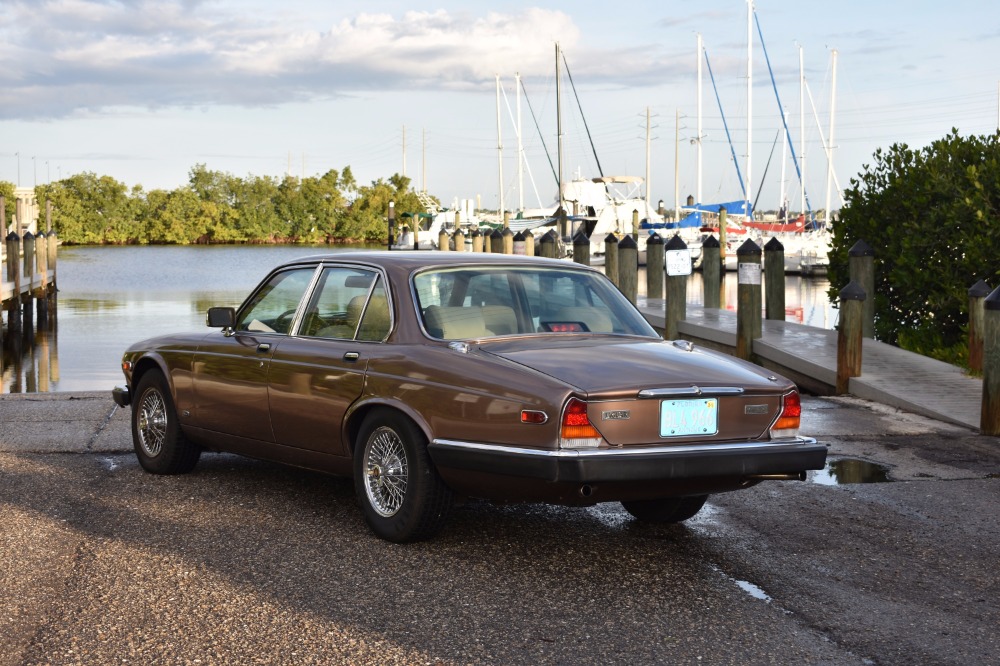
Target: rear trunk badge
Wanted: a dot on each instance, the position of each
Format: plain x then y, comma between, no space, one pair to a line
620,415
756,409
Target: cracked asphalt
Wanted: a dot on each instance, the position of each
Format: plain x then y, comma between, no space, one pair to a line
253,563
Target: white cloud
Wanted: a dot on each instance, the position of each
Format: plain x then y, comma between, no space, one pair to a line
64,56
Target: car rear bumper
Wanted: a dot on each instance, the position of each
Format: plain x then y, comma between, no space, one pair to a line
121,396
655,463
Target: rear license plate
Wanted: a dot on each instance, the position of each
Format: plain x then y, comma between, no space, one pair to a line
680,418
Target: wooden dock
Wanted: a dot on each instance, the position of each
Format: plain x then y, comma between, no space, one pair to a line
27,277
808,356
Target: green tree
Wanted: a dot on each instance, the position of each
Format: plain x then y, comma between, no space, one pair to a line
92,209
932,216
10,205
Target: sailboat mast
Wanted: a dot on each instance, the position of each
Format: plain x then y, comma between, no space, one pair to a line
499,149
520,148
802,131
829,152
698,167
749,180
559,132
784,160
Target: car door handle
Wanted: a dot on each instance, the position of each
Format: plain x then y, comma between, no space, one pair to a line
352,356
263,347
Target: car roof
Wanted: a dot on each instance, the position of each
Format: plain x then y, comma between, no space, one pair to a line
414,259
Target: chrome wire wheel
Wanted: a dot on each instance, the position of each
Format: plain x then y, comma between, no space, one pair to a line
151,424
385,471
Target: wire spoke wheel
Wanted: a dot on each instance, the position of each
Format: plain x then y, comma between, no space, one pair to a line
151,426
386,472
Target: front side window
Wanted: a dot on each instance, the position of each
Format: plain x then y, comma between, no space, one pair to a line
272,309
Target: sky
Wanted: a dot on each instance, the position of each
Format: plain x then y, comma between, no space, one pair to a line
144,90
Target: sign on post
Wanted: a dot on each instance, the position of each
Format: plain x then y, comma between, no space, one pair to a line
678,262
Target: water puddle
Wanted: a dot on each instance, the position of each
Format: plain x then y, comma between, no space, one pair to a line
850,470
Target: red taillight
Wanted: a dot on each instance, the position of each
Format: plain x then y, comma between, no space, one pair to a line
576,429
791,412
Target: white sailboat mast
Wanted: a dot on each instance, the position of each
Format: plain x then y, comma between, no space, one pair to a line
829,152
749,180
499,149
698,167
784,160
802,131
559,132
520,148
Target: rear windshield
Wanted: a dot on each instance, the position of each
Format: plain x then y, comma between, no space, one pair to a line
479,302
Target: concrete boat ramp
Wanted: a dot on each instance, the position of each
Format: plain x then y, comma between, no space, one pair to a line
808,356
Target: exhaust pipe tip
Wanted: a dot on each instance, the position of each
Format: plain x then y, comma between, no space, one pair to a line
586,490
796,476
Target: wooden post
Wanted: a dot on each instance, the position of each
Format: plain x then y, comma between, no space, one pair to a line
774,279
635,226
675,309
611,257
850,334
53,246
529,243
977,294
496,242
459,237
477,241
28,266
989,421
722,236
13,242
392,224
443,240
581,248
861,262
654,266
711,272
507,237
748,320
415,221
42,289
628,268
506,221
519,244
547,245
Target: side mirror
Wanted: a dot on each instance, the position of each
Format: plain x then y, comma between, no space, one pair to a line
221,317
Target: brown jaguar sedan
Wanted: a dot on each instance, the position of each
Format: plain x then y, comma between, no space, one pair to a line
434,375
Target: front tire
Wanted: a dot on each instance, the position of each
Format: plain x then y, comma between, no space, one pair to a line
159,444
666,510
401,495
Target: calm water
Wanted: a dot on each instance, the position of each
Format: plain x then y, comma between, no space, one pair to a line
110,297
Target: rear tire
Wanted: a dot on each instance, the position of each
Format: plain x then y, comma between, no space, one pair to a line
401,495
160,445
666,510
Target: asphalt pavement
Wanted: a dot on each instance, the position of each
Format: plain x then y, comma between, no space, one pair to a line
248,562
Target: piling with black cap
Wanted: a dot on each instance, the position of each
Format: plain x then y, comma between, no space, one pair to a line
459,238
628,268
861,265
611,257
477,240
977,294
496,242
989,422
774,280
849,335
748,298
654,266
711,272
547,244
507,238
581,248
675,308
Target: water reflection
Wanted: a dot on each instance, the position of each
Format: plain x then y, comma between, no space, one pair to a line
169,290
850,470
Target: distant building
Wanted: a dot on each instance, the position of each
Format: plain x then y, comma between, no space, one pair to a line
26,211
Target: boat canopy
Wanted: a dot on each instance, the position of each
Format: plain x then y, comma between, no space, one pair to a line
732,207
691,221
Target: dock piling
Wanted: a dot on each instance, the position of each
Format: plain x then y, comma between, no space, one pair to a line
581,248
711,272
547,245
675,308
748,298
611,257
628,268
849,335
977,294
861,266
654,266
990,415
774,280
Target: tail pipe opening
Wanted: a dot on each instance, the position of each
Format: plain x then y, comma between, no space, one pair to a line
796,476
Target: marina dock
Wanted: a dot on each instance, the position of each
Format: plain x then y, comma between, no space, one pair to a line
808,356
